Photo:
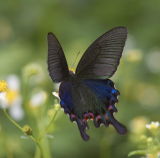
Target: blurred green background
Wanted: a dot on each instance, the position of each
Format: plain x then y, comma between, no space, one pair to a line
23,29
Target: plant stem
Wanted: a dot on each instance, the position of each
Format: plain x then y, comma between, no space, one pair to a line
50,123
11,120
38,144
21,129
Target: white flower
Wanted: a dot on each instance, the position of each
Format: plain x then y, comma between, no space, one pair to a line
11,99
56,94
16,111
38,99
3,90
13,82
153,125
3,100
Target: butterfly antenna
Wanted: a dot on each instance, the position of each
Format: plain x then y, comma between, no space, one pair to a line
73,64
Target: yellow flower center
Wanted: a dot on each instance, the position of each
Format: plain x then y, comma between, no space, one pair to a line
3,86
11,96
153,126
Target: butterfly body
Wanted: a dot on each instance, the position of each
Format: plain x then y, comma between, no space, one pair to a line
88,93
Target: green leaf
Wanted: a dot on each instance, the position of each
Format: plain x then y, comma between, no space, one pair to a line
137,152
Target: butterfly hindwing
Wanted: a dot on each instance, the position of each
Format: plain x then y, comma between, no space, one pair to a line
57,64
102,58
90,99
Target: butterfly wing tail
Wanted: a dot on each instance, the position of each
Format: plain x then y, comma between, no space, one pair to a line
82,128
121,129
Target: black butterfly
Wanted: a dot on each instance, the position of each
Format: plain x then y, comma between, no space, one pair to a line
88,93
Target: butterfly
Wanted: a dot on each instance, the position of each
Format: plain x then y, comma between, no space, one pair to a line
89,94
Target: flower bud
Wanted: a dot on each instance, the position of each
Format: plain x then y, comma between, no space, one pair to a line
27,130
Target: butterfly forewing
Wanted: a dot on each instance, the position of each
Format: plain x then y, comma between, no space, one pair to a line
102,58
57,64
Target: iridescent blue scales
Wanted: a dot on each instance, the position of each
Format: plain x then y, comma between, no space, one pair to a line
88,93
90,99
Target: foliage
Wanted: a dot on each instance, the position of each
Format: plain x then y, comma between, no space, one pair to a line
29,103
150,143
